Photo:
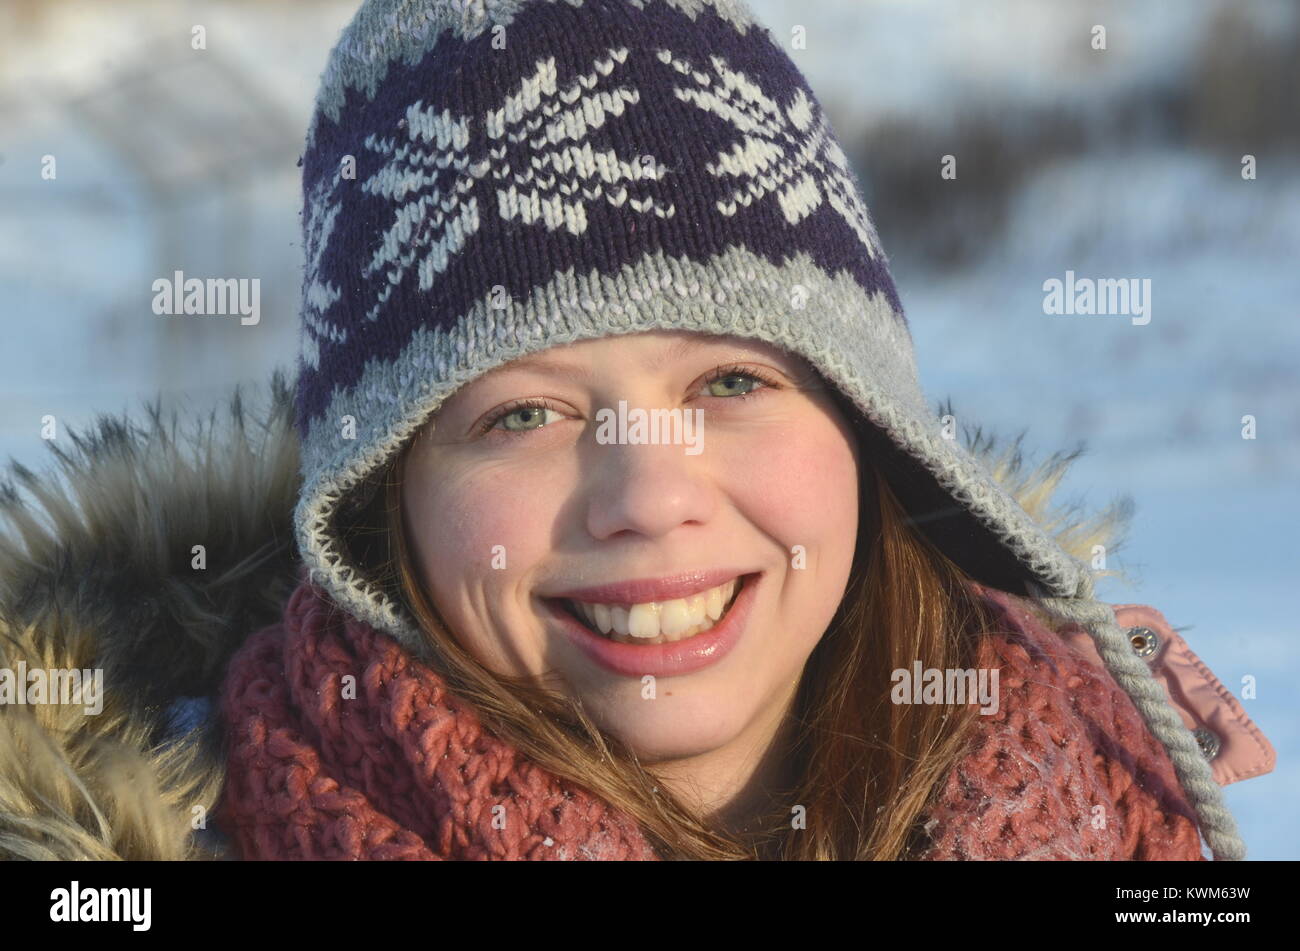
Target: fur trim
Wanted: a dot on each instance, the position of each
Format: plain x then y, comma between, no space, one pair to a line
1076,530
98,570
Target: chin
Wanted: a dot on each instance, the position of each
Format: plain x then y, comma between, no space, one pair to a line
671,728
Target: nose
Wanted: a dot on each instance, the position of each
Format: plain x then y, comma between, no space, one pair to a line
647,489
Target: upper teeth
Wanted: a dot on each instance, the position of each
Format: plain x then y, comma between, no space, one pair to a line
670,619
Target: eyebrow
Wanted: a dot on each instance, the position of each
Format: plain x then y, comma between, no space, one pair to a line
555,365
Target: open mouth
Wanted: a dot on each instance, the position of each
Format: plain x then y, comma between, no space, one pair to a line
657,622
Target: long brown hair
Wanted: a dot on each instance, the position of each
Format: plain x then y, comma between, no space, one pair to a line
864,769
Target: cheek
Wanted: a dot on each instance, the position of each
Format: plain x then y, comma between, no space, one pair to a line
464,524
799,484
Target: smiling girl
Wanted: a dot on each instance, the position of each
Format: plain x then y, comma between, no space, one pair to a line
519,215
516,637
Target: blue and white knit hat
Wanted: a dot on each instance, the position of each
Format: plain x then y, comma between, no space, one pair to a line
484,179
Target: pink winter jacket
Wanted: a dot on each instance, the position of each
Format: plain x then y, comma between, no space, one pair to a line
1068,769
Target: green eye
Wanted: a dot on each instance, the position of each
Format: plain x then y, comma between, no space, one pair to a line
745,380
528,417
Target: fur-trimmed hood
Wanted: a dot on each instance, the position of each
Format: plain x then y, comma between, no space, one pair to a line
151,552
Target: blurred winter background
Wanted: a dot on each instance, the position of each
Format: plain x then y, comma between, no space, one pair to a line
1122,163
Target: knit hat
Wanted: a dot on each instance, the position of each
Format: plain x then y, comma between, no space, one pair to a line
485,179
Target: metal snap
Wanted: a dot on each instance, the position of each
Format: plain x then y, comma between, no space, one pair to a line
1208,740
1144,641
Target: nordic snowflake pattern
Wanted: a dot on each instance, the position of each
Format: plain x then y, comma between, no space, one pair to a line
319,296
790,151
531,160
533,155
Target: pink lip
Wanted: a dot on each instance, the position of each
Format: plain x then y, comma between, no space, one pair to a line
645,590
663,660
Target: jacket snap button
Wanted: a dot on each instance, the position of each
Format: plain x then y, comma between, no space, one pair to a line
1208,740
1144,641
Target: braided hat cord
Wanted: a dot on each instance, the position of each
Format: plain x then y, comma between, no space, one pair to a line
1217,824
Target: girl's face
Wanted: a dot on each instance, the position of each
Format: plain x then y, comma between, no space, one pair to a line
508,509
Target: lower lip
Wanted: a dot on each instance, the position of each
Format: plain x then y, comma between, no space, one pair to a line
662,660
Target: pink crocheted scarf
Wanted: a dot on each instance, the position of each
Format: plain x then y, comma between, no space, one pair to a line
342,746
